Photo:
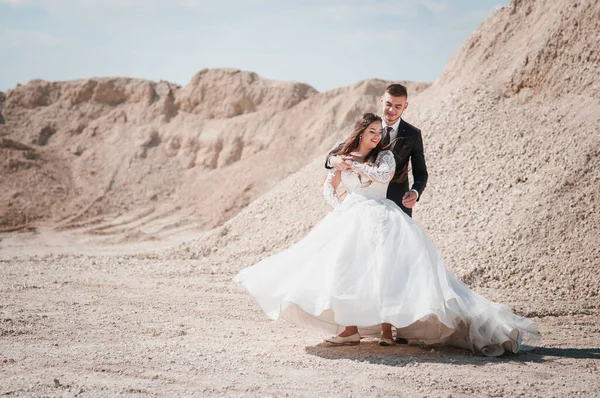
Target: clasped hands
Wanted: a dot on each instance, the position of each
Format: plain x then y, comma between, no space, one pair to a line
344,162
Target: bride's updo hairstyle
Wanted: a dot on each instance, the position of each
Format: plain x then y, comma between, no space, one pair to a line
353,141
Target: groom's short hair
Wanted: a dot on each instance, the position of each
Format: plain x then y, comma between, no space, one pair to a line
397,90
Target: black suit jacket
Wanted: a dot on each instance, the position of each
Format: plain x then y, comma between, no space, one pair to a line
408,147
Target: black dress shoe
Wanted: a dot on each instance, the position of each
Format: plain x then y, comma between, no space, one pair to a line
400,340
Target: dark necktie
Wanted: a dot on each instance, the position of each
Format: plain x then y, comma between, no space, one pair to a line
386,136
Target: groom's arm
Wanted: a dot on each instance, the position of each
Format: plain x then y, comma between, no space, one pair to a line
419,168
330,154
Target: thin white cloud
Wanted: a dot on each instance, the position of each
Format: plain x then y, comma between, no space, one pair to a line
11,38
141,4
231,5
15,3
390,36
344,11
436,7
336,9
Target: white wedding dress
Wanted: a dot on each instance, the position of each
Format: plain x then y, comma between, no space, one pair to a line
366,263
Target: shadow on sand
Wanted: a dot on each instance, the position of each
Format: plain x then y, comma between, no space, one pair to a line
402,355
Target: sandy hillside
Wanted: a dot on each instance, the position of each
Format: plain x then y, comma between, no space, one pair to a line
512,145
137,160
103,148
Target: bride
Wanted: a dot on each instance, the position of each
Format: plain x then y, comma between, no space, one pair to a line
367,266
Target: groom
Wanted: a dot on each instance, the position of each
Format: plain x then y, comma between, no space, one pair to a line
407,144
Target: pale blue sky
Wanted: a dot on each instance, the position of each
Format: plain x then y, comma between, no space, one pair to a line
325,43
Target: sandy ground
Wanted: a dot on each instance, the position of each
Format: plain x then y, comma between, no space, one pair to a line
130,325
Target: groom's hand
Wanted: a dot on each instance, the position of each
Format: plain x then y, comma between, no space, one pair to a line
340,162
409,199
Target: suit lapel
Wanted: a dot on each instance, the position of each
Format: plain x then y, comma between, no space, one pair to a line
403,130
403,145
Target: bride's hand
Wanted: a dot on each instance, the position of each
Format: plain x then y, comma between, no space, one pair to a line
339,162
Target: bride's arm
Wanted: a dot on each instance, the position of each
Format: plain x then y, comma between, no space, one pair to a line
382,171
330,185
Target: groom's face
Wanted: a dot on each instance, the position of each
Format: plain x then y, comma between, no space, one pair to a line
392,108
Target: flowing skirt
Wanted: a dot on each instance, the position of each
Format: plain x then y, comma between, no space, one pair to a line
368,263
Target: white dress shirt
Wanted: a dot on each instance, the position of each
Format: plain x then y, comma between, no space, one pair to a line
394,132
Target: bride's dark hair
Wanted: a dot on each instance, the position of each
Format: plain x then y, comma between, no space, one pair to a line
353,141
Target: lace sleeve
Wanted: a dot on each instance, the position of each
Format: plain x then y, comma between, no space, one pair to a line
382,171
328,189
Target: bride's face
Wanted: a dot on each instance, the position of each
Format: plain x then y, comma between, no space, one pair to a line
371,136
